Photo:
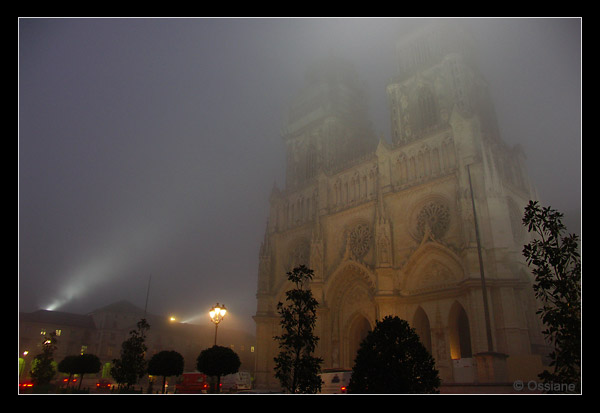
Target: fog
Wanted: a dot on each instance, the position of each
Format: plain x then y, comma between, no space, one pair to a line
149,147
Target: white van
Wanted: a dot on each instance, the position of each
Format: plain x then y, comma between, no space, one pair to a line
236,382
335,381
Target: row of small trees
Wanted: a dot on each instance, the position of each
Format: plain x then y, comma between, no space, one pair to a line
391,359
216,361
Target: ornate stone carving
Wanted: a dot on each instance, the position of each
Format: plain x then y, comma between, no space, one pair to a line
359,240
436,275
515,216
299,254
435,218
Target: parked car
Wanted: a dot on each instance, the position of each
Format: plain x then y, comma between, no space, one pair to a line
65,382
104,384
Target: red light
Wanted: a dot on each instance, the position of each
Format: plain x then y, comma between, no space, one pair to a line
343,389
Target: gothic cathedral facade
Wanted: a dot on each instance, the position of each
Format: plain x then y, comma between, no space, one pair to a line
411,228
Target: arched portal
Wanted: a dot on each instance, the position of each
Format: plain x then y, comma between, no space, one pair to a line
352,310
421,326
359,329
460,333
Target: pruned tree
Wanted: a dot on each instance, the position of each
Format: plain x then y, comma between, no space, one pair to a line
68,366
86,364
556,266
297,369
218,361
166,363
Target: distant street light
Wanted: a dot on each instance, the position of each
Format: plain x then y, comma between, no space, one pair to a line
217,313
22,361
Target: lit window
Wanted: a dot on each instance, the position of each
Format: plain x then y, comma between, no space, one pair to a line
58,332
83,349
43,332
251,349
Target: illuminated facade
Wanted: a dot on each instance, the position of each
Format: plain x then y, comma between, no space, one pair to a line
398,228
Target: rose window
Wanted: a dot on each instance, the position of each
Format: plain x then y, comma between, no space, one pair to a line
360,240
434,216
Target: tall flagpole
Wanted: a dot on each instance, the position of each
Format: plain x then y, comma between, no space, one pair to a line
147,294
483,287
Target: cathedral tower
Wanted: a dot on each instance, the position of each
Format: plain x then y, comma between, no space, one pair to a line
327,124
408,228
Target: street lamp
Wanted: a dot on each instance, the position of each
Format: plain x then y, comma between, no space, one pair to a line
217,313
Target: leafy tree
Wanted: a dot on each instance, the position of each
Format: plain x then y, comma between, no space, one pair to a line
557,269
296,368
131,366
391,359
68,366
43,370
166,363
218,361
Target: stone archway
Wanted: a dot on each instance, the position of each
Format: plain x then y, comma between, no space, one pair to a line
460,333
423,328
359,329
352,311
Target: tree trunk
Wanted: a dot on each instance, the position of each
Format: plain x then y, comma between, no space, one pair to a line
163,388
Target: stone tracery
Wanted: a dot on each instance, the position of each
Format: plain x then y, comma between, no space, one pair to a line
433,217
360,240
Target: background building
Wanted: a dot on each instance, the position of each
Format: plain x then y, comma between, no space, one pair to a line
400,228
102,331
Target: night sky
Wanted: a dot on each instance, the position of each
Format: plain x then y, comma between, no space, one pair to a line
149,147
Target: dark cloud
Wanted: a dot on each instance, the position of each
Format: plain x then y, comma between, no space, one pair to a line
148,147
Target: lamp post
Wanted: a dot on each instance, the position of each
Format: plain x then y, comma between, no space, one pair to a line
217,313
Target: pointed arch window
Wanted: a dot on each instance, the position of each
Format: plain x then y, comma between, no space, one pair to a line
460,334
422,327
